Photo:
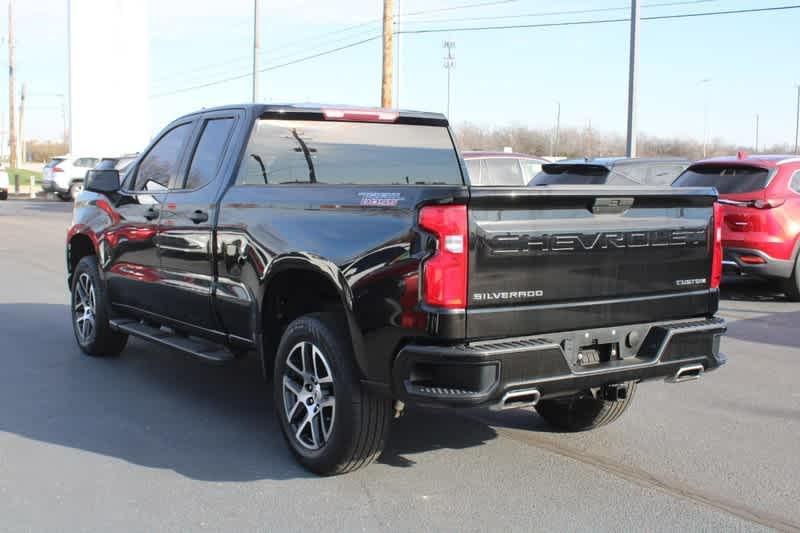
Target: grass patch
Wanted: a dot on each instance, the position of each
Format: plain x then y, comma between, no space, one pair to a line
24,176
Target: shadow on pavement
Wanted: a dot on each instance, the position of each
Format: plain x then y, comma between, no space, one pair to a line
160,409
751,290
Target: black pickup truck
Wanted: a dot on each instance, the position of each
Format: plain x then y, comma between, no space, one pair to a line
346,249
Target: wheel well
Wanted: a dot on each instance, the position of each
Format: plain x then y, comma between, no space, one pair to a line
292,294
79,247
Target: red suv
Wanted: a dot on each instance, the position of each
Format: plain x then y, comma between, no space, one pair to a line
760,197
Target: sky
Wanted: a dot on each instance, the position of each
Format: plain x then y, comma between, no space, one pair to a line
501,77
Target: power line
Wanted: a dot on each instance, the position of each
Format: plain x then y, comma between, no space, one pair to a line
462,6
273,67
565,12
602,21
479,28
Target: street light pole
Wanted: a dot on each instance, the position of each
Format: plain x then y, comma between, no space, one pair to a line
256,45
554,142
797,123
449,64
704,82
633,80
757,118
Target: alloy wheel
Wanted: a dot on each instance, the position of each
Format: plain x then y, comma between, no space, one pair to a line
309,402
84,308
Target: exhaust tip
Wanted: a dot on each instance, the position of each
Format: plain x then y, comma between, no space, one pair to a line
519,398
686,373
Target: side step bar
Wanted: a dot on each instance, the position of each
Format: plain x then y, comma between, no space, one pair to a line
207,351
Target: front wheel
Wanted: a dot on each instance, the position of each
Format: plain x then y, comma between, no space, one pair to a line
90,312
584,411
791,286
331,423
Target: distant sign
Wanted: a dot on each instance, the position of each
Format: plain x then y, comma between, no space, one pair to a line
108,77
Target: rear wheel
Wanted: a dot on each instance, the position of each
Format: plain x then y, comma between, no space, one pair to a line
90,312
331,423
75,189
791,286
584,411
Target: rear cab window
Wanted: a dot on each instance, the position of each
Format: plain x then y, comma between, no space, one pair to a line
555,174
503,171
283,152
727,179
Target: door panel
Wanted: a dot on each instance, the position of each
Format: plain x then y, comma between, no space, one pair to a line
129,250
185,237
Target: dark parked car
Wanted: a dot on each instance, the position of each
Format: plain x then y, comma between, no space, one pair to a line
501,168
347,249
611,171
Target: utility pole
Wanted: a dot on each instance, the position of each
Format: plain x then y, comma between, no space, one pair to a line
12,126
797,126
554,142
757,117
633,79
388,60
449,64
256,45
64,117
397,57
21,138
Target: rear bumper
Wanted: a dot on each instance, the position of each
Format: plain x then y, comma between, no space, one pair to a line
770,268
482,373
53,186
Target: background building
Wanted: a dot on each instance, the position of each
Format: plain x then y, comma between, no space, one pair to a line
108,76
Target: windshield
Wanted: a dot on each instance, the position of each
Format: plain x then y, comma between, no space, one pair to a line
53,162
571,175
726,179
327,152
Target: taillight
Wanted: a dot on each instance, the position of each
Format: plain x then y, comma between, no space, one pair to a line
444,274
716,248
768,204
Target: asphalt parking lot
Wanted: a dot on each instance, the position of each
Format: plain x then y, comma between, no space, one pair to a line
156,441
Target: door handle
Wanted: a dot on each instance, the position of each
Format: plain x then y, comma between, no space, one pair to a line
151,213
198,216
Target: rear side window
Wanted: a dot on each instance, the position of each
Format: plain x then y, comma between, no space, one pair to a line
571,175
161,162
88,162
474,170
530,168
359,153
209,152
502,171
794,183
726,179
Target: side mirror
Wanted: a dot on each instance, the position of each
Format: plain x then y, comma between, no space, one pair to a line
105,181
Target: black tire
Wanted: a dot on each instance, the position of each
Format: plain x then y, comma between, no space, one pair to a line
583,412
75,189
360,420
100,340
791,286
3,195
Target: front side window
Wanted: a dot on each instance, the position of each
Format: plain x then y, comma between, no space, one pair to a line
360,153
161,162
208,154
794,183
530,167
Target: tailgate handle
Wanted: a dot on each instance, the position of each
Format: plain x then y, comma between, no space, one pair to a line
608,206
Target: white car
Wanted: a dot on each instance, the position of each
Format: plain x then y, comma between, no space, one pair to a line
3,184
64,174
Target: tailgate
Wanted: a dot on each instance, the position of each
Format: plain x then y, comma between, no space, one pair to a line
563,258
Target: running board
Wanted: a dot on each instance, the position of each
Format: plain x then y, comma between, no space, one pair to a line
202,349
